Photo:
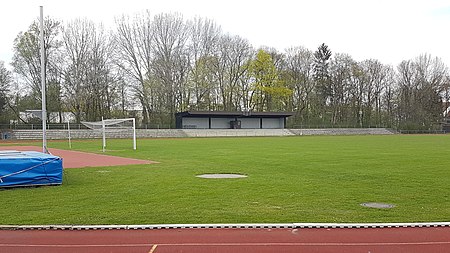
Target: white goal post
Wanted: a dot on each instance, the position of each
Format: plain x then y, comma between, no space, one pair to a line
113,126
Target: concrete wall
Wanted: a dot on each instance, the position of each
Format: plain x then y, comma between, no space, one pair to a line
155,133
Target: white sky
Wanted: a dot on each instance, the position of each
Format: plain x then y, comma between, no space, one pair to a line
387,30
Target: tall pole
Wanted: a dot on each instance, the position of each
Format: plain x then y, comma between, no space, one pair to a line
103,136
44,110
68,129
134,133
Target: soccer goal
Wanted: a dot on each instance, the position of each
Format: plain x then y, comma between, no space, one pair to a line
113,127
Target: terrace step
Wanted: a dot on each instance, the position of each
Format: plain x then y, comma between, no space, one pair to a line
55,134
342,131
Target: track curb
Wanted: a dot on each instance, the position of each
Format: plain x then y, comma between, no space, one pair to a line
229,226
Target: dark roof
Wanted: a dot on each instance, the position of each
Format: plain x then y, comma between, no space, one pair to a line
234,114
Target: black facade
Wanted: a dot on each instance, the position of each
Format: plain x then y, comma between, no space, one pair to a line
230,120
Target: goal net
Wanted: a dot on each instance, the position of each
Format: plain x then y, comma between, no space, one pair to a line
113,127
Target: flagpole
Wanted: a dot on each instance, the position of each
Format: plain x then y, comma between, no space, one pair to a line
44,110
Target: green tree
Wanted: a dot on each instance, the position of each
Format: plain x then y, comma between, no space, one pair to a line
27,62
270,91
201,83
322,78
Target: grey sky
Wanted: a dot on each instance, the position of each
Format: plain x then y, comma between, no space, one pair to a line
387,30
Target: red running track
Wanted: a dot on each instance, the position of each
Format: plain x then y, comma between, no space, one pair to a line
78,159
410,240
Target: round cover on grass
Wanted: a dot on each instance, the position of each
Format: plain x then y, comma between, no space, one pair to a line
222,175
378,205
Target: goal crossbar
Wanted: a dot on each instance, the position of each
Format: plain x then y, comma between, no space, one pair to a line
112,125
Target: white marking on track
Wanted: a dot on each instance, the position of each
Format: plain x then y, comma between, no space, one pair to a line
231,244
74,245
152,250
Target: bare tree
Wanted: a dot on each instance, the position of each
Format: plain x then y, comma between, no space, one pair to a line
345,90
446,96
171,63
90,80
77,38
230,68
300,78
388,105
100,76
421,83
378,78
134,55
203,45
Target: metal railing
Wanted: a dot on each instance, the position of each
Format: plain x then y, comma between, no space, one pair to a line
56,126
39,126
422,131
324,126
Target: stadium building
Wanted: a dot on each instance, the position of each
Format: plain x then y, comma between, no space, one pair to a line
231,120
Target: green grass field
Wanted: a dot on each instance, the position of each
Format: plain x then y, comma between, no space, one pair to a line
290,179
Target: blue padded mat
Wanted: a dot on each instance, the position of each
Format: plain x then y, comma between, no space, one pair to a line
28,168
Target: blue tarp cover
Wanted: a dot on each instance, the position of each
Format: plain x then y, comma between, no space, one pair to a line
27,168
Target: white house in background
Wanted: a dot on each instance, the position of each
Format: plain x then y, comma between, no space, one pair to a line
53,117
447,112
446,123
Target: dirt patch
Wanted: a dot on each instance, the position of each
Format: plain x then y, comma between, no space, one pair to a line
77,159
378,205
216,176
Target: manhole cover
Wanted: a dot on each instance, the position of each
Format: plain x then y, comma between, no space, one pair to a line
221,176
378,205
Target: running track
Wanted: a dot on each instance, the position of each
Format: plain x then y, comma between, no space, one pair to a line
77,159
336,240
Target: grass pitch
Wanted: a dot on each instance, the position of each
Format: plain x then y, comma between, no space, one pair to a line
290,179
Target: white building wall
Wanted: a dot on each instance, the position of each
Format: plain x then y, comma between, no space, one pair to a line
196,123
221,123
271,123
250,123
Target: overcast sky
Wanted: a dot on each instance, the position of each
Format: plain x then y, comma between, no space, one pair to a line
387,30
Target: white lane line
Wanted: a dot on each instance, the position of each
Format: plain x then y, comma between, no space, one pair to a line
231,226
231,244
73,245
152,250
